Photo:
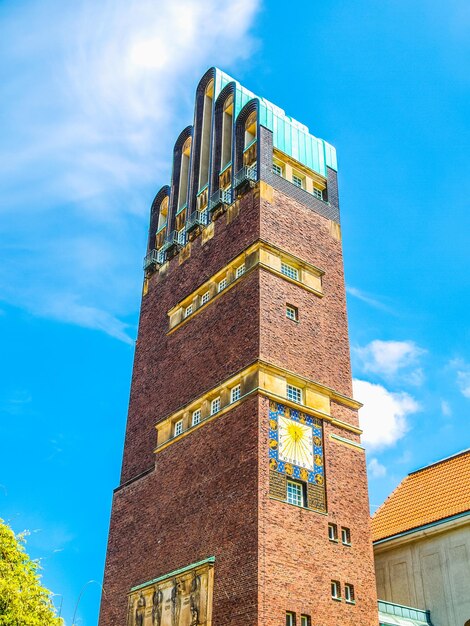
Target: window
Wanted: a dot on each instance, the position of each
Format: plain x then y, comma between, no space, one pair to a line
235,393
222,284
346,536
205,297
290,618
335,590
240,271
298,181
305,620
188,310
290,271
292,312
295,493
332,532
196,417
215,405
294,394
181,236
178,428
318,193
349,592
277,169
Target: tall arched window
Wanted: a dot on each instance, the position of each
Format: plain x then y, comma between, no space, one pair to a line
184,174
250,129
163,213
227,131
206,135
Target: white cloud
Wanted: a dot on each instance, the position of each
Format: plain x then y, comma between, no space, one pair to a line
97,95
388,358
368,299
376,469
463,375
446,409
384,416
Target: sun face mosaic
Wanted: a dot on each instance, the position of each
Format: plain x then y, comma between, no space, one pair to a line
296,452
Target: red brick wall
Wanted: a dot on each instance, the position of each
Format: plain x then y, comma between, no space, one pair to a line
201,501
203,497
296,559
318,347
171,370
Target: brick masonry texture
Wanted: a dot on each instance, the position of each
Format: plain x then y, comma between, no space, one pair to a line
207,494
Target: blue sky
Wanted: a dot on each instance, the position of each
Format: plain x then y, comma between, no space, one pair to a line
93,98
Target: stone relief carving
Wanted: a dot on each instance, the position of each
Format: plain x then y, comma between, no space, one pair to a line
180,599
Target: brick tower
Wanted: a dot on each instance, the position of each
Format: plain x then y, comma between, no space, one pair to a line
243,495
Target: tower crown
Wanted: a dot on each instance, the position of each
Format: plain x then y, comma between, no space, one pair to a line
222,151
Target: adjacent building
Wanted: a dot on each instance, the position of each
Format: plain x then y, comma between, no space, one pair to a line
243,494
421,538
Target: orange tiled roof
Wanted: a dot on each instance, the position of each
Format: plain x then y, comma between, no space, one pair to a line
430,494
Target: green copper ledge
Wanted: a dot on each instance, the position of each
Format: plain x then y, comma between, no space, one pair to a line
175,572
289,135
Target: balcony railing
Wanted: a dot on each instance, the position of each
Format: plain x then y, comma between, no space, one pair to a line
246,173
154,259
198,218
219,198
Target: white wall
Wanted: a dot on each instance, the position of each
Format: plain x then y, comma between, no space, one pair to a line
428,572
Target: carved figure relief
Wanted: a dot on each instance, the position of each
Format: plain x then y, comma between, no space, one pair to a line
140,611
157,601
175,602
182,598
195,599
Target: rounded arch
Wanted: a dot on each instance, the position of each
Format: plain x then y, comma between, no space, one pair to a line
223,144
467,623
177,171
249,113
201,150
162,196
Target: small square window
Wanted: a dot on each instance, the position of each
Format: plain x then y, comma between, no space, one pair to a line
298,181
178,429
346,536
205,297
188,310
349,592
222,284
292,312
318,193
295,493
294,394
235,393
332,532
196,417
290,618
215,405
290,271
277,169
305,620
335,590
240,271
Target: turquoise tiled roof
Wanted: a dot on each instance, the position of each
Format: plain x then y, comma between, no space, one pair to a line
289,135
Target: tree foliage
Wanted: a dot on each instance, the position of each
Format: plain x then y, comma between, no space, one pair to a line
23,600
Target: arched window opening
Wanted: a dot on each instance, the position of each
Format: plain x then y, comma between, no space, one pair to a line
467,623
184,174
227,132
250,129
206,135
249,152
163,213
